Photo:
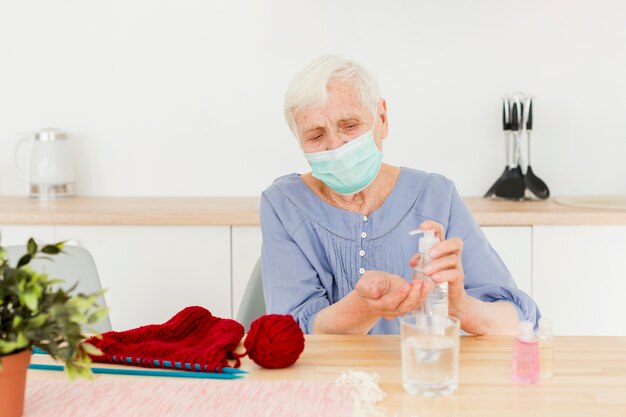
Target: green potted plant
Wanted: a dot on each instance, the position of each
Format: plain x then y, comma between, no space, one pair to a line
36,312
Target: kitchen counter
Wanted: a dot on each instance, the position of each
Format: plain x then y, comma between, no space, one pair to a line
243,211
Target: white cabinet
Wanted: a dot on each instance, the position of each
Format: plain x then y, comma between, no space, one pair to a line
514,245
246,251
19,234
152,272
579,278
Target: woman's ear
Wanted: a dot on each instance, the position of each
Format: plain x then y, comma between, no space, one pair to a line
382,113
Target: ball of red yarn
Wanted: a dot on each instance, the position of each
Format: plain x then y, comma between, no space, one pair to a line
274,341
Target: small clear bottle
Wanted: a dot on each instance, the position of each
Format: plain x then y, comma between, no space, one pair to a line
436,303
526,355
546,352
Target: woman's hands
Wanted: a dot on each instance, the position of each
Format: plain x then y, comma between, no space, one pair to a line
379,294
445,266
389,295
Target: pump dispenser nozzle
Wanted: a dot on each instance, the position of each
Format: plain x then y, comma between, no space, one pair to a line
427,241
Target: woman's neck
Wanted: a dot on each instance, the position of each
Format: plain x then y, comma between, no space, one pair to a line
364,202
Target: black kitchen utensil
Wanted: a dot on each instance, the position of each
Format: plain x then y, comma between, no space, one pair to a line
506,126
512,184
533,182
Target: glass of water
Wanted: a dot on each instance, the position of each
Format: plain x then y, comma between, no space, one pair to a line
430,354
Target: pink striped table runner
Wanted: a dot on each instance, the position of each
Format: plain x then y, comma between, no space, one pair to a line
133,397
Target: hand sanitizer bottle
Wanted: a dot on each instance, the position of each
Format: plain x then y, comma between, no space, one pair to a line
546,339
526,355
436,303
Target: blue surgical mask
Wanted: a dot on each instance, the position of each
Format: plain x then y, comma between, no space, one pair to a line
351,167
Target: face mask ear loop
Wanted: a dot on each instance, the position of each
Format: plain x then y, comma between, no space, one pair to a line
375,118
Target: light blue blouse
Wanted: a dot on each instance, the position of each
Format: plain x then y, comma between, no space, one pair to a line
313,253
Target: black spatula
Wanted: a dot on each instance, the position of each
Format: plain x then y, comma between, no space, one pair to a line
512,185
533,182
506,126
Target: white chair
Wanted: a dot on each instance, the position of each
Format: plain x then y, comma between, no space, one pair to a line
253,303
73,265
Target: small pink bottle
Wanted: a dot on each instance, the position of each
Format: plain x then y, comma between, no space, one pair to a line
526,355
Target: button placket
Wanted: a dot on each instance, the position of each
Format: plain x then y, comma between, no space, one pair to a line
363,235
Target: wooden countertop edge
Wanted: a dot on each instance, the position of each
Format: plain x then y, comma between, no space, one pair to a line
550,219
108,219
243,211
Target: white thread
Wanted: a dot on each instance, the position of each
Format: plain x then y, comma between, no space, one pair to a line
366,392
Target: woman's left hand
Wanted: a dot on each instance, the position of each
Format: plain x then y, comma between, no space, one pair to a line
446,266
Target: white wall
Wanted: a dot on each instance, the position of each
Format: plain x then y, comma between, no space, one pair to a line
184,97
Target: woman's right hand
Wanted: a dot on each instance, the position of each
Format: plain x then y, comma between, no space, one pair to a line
389,295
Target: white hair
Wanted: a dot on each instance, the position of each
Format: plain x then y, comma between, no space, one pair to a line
309,87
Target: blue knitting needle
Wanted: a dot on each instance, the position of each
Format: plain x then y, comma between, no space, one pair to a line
197,367
177,365
166,364
139,372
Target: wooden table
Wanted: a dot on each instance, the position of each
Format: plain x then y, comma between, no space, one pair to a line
589,376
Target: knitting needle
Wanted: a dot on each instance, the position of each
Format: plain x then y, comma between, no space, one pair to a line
177,365
166,364
197,367
139,372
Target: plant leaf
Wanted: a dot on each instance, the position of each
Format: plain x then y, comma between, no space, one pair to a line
7,346
37,321
50,249
91,349
82,301
22,340
24,260
78,318
71,370
31,301
97,315
94,332
54,248
85,372
31,247
99,292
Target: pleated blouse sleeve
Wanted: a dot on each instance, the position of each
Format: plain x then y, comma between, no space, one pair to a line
486,276
291,285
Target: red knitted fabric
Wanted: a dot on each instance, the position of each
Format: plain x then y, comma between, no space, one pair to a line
192,336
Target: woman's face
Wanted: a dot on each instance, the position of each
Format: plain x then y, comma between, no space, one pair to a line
341,119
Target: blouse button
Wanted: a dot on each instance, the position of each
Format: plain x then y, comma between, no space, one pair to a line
362,270
364,218
363,234
362,252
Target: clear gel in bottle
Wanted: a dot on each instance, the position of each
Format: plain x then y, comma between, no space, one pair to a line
546,339
436,303
526,355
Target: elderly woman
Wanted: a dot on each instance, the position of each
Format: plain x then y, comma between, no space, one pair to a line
337,254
